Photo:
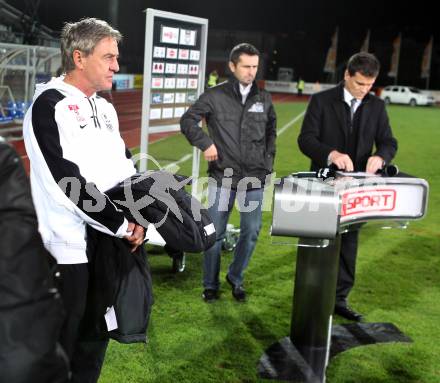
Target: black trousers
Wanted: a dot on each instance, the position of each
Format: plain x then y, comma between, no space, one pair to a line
86,357
347,266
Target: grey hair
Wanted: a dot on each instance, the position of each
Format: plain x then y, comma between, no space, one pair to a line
84,35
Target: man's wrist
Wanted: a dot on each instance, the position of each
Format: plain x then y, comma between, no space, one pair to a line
329,161
329,157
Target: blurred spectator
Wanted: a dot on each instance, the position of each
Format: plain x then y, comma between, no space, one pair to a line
30,305
212,79
300,86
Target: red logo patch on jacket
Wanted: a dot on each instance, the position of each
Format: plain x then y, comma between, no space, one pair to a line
75,109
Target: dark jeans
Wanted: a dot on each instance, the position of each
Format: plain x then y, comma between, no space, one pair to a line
221,202
86,357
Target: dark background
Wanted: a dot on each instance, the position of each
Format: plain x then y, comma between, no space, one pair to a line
293,34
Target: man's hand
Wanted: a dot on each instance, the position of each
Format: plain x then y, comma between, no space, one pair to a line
135,235
211,153
374,163
341,160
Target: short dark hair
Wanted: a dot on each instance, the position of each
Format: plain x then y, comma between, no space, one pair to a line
240,49
365,63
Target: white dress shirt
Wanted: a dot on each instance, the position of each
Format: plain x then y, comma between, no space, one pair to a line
244,90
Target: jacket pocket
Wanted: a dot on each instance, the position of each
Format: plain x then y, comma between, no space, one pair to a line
257,155
259,117
256,126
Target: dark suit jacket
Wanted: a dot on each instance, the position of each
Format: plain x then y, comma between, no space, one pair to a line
325,129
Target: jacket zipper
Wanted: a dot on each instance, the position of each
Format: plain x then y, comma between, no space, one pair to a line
94,115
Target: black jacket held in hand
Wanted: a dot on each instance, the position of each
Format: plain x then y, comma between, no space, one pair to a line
159,198
119,279
31,311
243,134
325,128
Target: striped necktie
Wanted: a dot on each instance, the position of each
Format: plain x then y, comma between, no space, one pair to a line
352,110
353,103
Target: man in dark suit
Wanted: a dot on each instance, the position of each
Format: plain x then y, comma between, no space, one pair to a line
341,127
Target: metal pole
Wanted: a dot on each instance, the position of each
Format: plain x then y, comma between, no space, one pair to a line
196,152
145,119
26,79
314,301
398,58
113,8
34,70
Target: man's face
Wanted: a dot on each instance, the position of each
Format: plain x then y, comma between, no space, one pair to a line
358,85
246,68
99,67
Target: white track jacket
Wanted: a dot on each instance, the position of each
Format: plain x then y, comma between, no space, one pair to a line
76,153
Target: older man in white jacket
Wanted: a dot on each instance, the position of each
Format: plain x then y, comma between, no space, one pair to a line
76,153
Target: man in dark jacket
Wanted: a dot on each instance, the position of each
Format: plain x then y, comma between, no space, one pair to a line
340,127
31,311
240,150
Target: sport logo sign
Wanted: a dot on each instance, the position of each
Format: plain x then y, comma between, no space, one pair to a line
368,201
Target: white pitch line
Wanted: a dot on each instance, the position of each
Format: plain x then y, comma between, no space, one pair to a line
186,157
158,140
290,123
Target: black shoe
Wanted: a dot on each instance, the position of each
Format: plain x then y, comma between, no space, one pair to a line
237,291
210,295
347,312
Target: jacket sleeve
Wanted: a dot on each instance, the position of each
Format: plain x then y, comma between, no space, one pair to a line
386,144
108,219
271,134
309,137
189,122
